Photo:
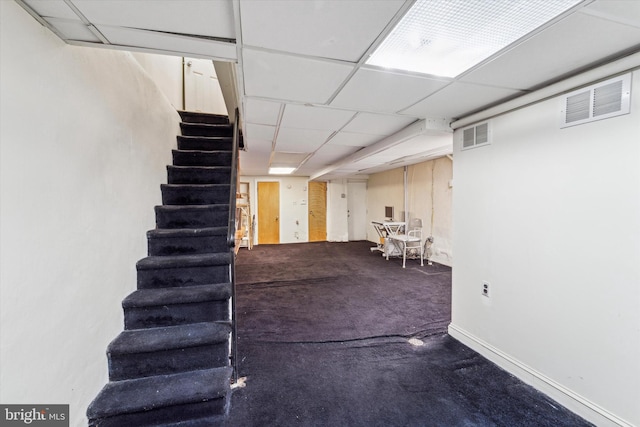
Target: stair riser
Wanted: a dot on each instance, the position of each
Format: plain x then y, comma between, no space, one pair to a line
189,129
179,277
205,143
194,117
165,415
176,314
201,158
191,218
198,176
193,196
187,245
173,361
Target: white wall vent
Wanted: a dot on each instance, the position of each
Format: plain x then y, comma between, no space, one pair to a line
602,100
475,136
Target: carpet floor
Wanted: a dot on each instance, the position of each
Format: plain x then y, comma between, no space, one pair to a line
325,339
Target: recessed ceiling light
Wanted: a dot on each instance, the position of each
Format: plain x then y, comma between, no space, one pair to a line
281,170
447,37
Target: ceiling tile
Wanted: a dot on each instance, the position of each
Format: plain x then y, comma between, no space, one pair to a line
300,140
291,78
377,124
310,117
457,99
329,29
383,91
261,112
187,46
262,132
280,157
52,8
623,11
328,154
557,51
205,18
354,139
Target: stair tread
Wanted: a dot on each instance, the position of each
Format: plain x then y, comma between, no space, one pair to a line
195,186
185,115
169,337
207,125
189,294
187,232
200,152
205,138
144,394
207,168
180,261
217,206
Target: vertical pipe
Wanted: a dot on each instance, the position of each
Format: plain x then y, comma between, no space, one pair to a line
406,198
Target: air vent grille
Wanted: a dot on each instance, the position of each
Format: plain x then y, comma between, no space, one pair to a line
603,100
475,136
607,99
578,106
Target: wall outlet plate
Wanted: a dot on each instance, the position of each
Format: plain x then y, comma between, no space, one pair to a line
486,289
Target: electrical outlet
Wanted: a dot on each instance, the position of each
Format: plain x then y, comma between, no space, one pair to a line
485,289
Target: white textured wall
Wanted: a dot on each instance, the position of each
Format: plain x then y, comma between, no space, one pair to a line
551,218
166,72
337,225
84,140
429,198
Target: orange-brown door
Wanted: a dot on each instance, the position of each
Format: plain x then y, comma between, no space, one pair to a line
268,212
317,211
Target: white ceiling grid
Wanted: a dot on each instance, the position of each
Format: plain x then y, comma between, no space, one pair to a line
308,96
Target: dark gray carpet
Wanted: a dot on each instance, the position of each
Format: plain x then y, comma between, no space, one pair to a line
323,341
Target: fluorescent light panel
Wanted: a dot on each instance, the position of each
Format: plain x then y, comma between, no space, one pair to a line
281,170
447,37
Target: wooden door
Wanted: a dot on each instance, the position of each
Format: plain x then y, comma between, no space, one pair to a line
201,88
317,211
268,212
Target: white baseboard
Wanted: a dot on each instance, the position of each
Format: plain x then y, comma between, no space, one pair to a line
566,397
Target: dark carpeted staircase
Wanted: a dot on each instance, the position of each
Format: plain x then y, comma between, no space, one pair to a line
171,364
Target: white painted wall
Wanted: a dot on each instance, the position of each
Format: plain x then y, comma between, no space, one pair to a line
84,139
429,198
337,220
551,219
166,72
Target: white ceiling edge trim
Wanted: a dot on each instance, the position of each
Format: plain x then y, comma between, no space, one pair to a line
619,66
145,50
420,127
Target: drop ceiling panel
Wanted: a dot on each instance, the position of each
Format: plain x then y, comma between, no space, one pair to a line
457,99
262,132
329,29
286,77
310,117
380,91
205,18
377,124
623,11
577,41
261,112
301,140
187,46
73,30
354,139
52,8
328,154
